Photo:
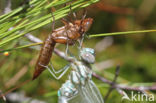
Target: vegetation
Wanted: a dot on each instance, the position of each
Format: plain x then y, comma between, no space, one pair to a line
135,53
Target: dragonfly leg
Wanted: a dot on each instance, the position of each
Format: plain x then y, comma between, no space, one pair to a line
53,22
82,38
54,74
60,70
65,70
84,14
64,21
67,48
80,41
73,13
67,52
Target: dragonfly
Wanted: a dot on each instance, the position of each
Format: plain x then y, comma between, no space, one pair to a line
79,88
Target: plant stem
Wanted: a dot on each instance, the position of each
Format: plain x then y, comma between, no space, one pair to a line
119,33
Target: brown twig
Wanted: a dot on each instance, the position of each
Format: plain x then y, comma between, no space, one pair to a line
113,83
124,87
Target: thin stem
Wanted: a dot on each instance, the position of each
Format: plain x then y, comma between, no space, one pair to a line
113,83
125,87
120,33
21,47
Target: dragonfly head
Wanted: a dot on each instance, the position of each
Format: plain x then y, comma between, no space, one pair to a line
87,55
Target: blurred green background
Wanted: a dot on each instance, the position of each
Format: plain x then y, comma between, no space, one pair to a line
136,53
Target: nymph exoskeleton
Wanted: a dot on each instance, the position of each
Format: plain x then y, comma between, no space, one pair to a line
67,34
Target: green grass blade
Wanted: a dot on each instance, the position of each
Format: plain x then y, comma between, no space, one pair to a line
121,33
31,25
21,47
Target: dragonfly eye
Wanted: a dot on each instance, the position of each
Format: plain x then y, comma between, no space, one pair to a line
87,55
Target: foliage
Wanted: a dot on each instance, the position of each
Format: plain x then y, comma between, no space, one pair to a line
135,53
23,19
